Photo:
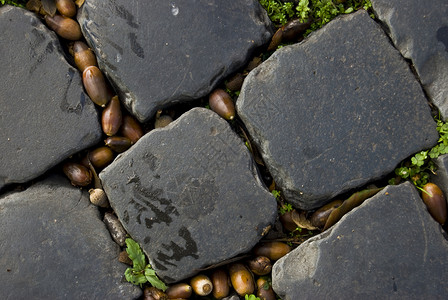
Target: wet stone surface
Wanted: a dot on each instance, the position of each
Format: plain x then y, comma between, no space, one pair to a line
163,52
336,111
190,195
389,247
55,246
420,32
45,116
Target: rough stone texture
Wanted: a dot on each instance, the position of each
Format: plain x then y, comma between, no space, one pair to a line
420,32
157,53
45,116
54,246
335,111
190,195
387,248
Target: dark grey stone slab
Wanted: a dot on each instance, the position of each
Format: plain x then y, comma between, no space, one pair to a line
159,52
335,111
55,246
387,248
45,116
190,194
420,32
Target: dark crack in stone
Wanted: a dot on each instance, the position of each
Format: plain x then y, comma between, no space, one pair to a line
420,33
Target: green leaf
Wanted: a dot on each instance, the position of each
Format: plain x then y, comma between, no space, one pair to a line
251,297
135,254
152,278
135,277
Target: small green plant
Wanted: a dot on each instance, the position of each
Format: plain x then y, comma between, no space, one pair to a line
141,272
417,169
320,11
19,3
251,297
277,194
285,208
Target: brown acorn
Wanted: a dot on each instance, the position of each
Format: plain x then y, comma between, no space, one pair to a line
260,265
98,197
264,290
111,118
83,55
131,129
101,157
66,7
221,103
435,202
220,280
287,221
95,85
235,82
276,40
162,120
65,27
242,279
179,291
118,143
272,250
77,173
201,285
152,293
320,216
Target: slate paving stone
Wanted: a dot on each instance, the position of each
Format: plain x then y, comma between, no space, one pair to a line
387,248
420,32
190,195
45,116
55,246
162,52
336,111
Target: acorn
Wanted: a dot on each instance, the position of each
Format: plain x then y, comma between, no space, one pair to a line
111,118
242,279
131,129
264,290
101,157
152,293
83,55
435,202
118,143
66,7
77,173
98,197
320,216
220,280
65,27
272,250
201,285
96,86
221,103
123,257
116,229
287,221
162,120
260,265
235,82
179,291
